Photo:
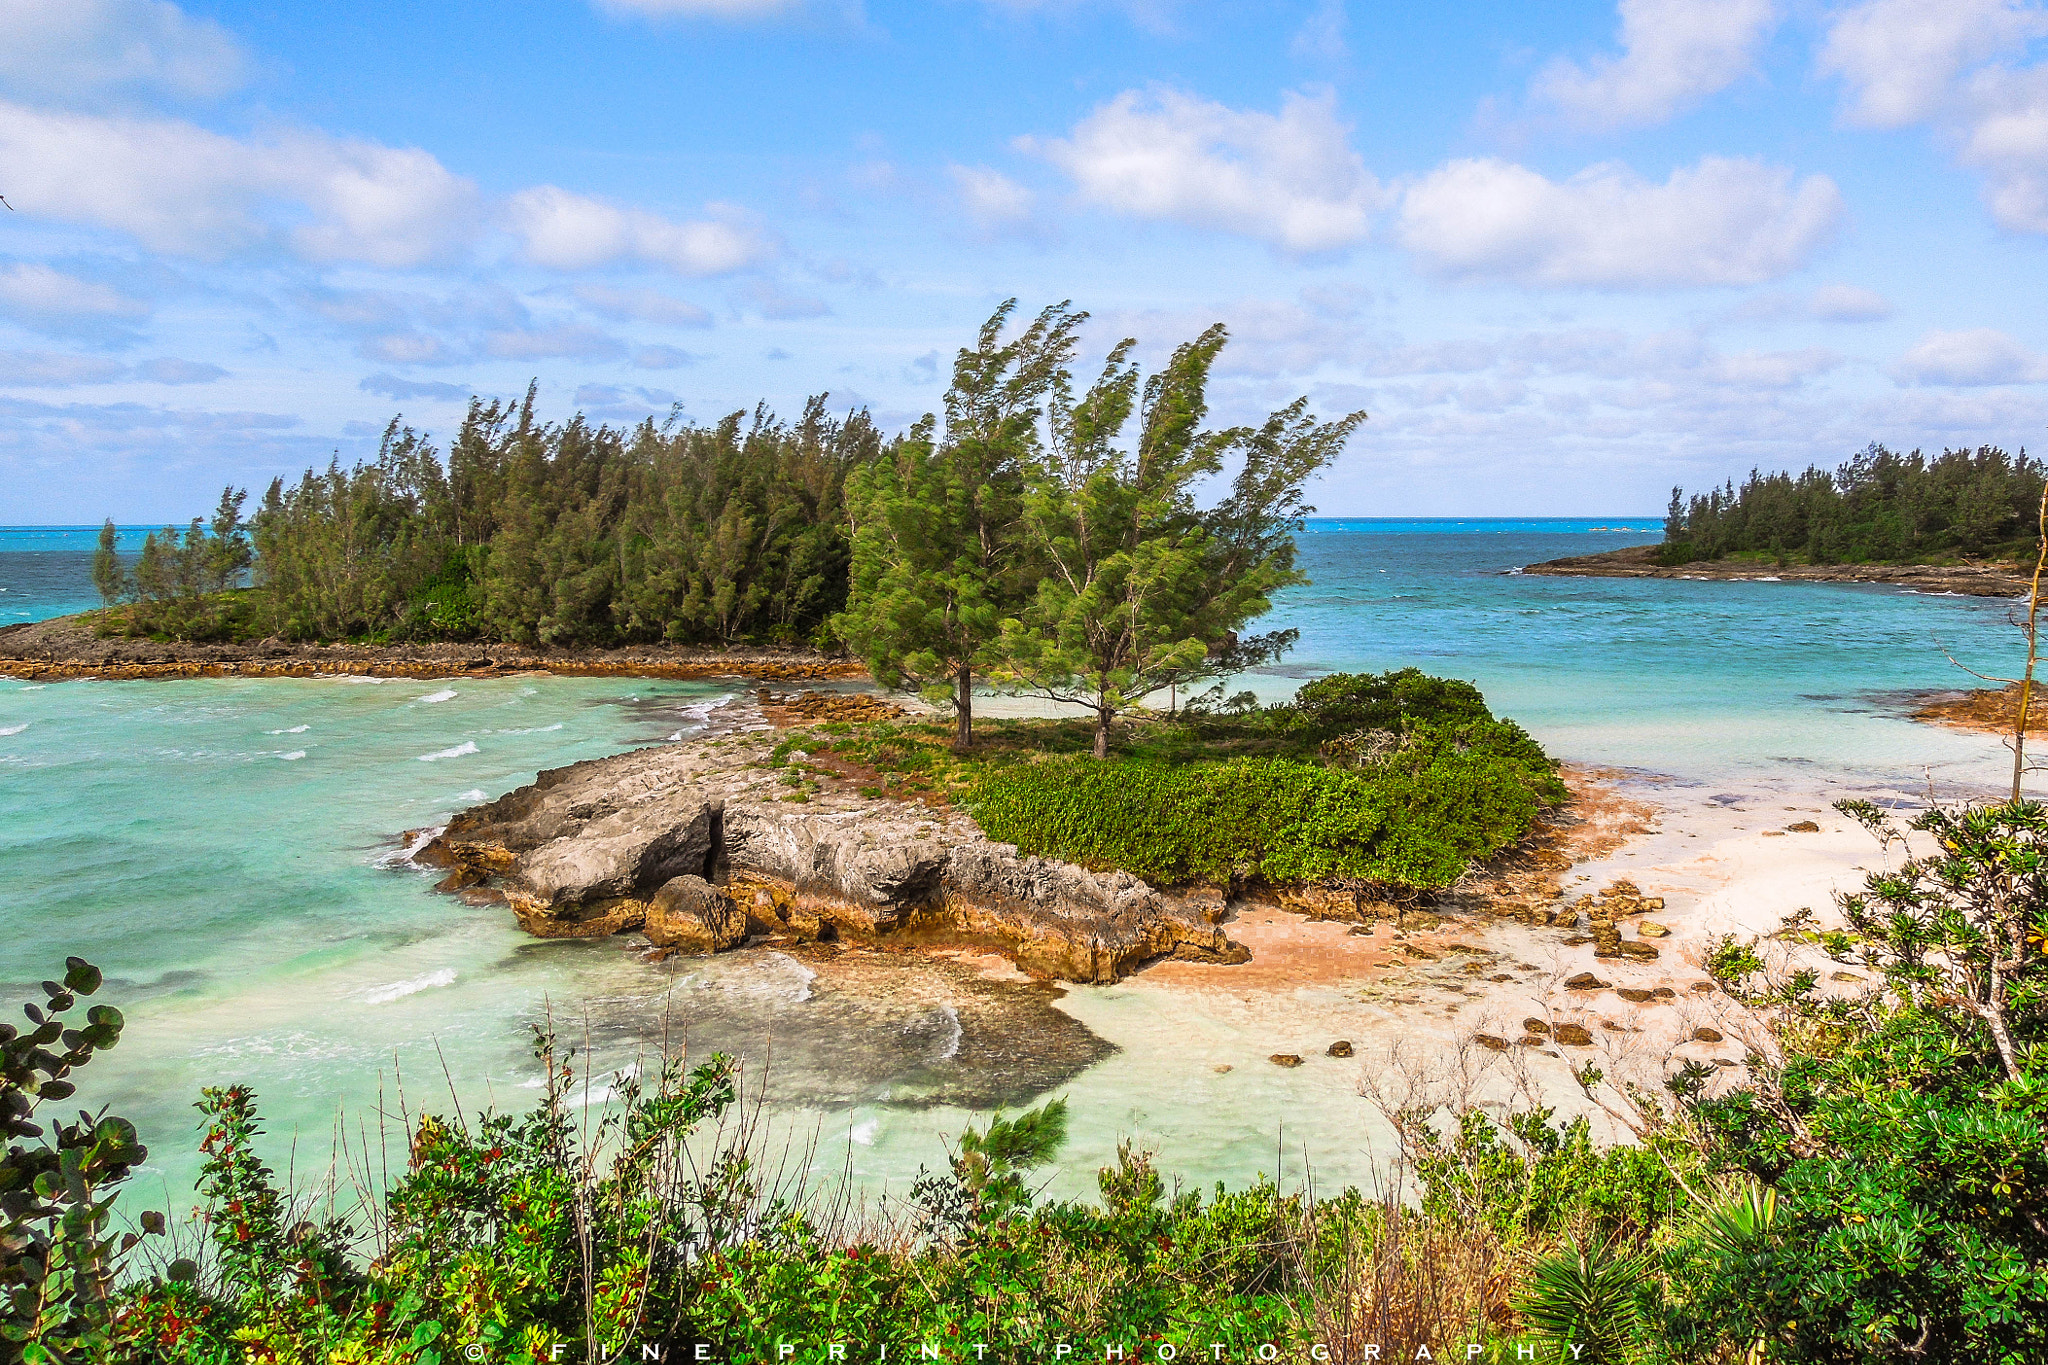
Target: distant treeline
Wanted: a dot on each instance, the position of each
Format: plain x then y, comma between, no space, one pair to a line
566,534
1875,507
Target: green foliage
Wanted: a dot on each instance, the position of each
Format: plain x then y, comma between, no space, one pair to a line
109,577
58,1181
1529,1178
1138,588
1586,1301
1414,822
1341,704
1875,507
1900,1196
937,561
178,588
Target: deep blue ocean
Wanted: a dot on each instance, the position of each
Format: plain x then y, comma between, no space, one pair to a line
225,848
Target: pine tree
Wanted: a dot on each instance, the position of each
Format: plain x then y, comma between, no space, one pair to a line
937,561
1142,589
107,574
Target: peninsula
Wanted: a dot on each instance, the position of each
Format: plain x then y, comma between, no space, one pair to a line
1641,561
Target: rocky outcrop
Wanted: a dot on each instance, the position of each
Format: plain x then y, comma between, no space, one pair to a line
696,846
1639,561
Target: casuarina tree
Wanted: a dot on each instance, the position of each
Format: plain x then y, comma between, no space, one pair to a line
1139,587
938,561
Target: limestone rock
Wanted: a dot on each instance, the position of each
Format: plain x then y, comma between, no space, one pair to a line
1535,1026
1340,1048
1574,1035
691,915
1706,1035
1651,929
1490,1042
1638,950
1802,827
1286,1059
1584,981
1635,994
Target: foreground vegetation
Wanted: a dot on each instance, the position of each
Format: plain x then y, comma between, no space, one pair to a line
1878,507
1876,1188
1395,781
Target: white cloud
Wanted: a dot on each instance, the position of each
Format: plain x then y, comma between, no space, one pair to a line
1290,178
781,306
991,199
642,305
182,189
391,386
1979,356
566,231
1848,303
407,348
1727,220
662,358
1772,369
1900,58
1674,54
39,293
61,49
2008,141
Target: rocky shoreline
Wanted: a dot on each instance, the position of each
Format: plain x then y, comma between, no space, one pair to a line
66,647
1638,561
702,847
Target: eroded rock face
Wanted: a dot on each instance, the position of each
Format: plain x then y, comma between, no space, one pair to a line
695,848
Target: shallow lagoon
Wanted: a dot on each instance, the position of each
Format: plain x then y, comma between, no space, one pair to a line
225,850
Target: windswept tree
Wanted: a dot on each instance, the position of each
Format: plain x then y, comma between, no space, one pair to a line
938,557
1141,588
108,577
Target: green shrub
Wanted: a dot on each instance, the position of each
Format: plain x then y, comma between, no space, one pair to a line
1343,702
1413,823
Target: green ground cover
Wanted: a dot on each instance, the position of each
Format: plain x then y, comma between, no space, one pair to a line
1396,781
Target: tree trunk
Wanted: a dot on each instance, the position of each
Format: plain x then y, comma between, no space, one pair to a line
963,710
1102,719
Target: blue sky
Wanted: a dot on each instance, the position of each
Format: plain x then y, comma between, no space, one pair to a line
1565,255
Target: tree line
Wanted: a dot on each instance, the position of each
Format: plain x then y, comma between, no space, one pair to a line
1876,506
1044,533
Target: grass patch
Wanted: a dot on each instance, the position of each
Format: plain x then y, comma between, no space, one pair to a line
1395,780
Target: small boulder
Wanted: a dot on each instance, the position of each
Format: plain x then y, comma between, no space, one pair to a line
1500,976
1845,976
1574,1035
1649,928
1635,994
1584,981
1286,1059
1222,1067
1665,993
1640,951
1530,1040
1535,1026
1340,1048
1490,1042
1800,827
1706,1035
1703,988
1723,1061
690,915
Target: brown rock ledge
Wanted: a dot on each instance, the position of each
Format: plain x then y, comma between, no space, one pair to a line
1637,561
693,845
66,647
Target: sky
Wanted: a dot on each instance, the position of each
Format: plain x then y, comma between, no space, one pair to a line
1566,256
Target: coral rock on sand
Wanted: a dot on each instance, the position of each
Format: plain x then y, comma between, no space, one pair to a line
1286,1059
597,847
1490,1042
1584,981
1574,1035
1535,1026
1340,1048
1706,1035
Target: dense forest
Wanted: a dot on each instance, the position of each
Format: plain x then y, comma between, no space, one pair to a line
1877,506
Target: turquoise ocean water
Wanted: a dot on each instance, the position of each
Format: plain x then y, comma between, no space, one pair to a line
227,849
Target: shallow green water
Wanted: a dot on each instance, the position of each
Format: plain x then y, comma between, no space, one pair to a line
225,849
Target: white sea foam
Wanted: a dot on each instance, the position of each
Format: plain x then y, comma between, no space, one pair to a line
473,794
952,1046
398,990
536,730
468,746
295,730
13,729
865,1133
403,857
294,756
445,694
